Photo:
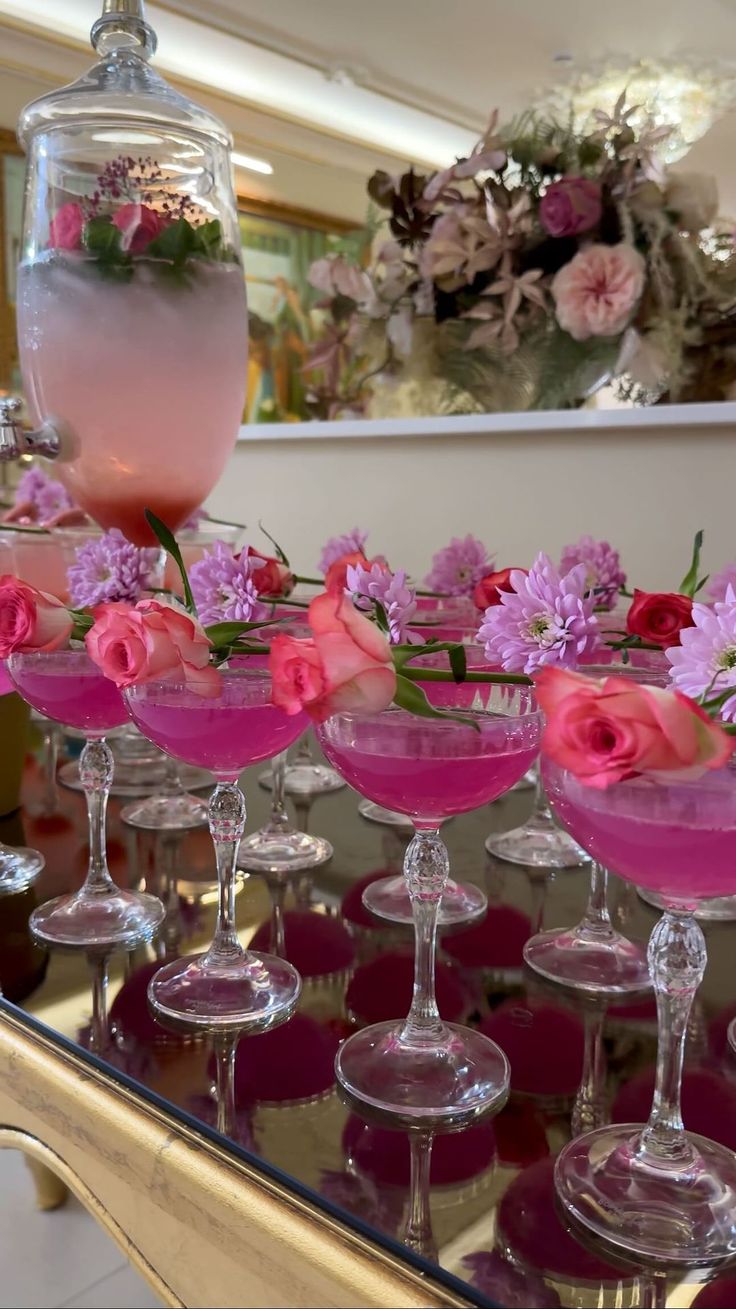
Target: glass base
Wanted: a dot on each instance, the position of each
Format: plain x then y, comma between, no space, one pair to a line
250,993
389,898
282,852
375,813
539,843
166,813
720,909
589,961
139,780
19,868
112,919
305,779
444,1085
678,1218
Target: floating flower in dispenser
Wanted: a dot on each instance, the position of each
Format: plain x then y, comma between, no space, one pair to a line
459,566
40,499
547,618
224,586
109,568
605,576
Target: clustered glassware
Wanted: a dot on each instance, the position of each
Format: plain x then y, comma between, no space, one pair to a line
68,687
279,848
655,1190
425,1071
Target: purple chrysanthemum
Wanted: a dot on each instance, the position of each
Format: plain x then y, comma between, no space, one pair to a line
195,520
546,619
604,575
705,660
719,583
109,568
47,496
459,566
223,586
391,591
339,546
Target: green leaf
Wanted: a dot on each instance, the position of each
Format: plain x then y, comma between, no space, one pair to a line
411,697
209,238
226,633
176,242
701,584
167,539
689,582
458,662
103,239
279,552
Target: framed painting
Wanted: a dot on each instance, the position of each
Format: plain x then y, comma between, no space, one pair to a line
12,181
279,244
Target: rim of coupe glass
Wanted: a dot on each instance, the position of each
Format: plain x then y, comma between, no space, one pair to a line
643,785
491,716
176,683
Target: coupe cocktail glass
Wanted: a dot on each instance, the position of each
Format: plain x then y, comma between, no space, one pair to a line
657,1191
228,989
426,1071
279,848
66,686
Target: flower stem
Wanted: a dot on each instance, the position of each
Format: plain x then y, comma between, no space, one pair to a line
439,675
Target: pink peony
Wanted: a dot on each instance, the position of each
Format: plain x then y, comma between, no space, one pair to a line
66,227
570,206
607,730
151,641
30,620
597,292
139,225
347,663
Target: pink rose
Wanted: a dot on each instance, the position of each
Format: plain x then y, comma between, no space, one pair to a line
570,206
139,225
30,620
66,227
346,665
605,731
598,291
151,641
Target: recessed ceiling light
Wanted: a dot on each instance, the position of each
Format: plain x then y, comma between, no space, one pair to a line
247,161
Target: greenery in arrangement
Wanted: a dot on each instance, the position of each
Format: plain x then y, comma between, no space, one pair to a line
545,263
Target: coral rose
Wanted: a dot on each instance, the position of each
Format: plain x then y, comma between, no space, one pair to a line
489,588
597,292
273,577
347,663
605,731
30,620
151,641
336,577
139,225
570,206
659,617
66,227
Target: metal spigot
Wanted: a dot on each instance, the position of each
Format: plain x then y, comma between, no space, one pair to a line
123,24
15,440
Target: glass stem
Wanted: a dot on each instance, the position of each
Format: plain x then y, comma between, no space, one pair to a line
225,1047
542,810
98,1031
172,787
95,772
279,821
589,1110
418,1234
226,812
169,938
677,961
539,880
50,760
303,752
426,869
278,937
596,919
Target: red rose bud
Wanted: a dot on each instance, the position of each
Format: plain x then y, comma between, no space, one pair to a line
489,588
273,578
659,617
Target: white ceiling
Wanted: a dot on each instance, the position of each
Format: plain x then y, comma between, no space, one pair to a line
327,90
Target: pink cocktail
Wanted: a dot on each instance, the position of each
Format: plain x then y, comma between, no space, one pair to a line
426,1072
146,378
228,990
655,1190
67,687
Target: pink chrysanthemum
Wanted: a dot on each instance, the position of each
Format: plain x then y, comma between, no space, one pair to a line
546,619
339,546
719,583
459,566
604,575
390,590
47,496
705,660
223,586
109,568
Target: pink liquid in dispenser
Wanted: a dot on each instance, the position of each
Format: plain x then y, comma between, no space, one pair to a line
68,688
678,839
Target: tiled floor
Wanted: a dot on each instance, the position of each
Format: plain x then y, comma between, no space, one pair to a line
62,1259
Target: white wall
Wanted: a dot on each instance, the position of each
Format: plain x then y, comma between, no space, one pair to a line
646,480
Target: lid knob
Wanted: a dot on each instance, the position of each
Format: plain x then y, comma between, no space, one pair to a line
123,26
